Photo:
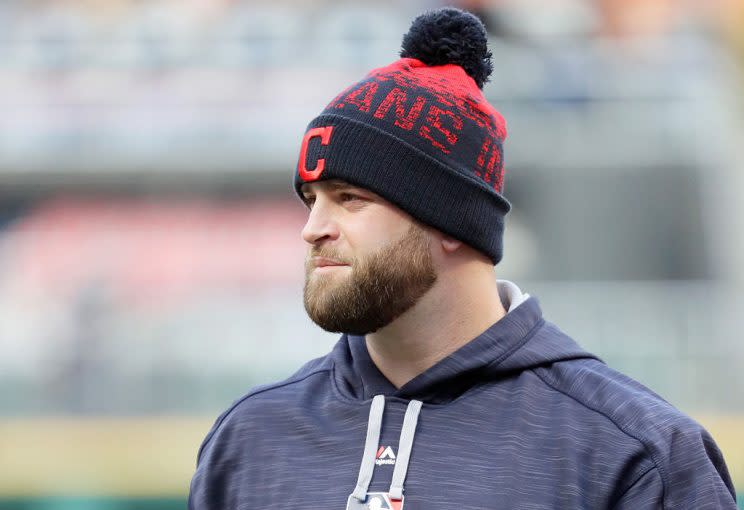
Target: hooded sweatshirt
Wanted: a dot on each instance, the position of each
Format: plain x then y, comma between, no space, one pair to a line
520,417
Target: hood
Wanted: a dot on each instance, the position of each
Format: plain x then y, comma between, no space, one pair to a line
517,342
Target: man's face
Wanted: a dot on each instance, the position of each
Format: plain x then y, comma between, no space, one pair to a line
368,261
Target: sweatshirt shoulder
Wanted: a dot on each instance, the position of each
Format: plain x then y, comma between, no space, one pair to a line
680,449
280,390
591,383
312,367
630,406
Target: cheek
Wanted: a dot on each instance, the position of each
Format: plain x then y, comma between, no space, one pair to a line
370,235
373,227
366,242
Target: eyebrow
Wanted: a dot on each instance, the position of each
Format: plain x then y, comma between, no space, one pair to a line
333,186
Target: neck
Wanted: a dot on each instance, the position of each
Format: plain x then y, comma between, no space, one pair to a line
462,304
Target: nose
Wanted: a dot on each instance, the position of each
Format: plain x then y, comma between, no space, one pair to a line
320,225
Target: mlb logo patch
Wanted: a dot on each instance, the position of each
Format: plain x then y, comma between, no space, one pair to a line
375,501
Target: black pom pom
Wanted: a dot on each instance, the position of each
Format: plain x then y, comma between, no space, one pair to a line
450,36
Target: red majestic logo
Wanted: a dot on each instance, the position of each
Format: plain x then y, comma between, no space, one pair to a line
324,133
385,455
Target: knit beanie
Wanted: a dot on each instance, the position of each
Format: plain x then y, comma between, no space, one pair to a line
420,134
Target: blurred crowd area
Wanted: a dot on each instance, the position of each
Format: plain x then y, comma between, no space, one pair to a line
151,263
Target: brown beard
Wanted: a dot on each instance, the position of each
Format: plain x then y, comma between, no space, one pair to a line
380,287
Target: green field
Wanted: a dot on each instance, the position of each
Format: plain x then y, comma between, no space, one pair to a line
69,503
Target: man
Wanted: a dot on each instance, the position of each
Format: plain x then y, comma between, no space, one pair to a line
447,388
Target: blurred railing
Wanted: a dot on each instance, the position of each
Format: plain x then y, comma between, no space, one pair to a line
681,339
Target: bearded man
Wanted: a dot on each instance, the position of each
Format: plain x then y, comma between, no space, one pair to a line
447,389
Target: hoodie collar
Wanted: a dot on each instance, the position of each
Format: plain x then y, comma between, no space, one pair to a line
480,360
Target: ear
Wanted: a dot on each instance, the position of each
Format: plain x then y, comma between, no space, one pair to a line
450,244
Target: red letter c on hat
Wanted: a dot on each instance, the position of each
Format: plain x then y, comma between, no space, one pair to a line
325,137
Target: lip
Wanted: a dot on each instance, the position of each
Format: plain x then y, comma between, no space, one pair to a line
324,262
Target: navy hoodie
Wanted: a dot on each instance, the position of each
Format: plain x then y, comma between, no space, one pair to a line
518,418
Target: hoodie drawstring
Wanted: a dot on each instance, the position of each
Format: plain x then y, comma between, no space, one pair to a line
405,445
374,425
404,448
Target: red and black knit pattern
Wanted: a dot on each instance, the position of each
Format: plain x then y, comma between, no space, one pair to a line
433,107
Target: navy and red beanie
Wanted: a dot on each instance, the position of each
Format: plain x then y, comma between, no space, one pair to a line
420,134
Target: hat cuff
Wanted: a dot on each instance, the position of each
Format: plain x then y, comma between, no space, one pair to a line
457,204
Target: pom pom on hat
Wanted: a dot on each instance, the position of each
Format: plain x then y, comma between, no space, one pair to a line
450,36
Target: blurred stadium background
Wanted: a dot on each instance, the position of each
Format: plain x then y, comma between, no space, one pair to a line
150,251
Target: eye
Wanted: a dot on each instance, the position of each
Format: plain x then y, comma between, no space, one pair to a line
345,197
309,201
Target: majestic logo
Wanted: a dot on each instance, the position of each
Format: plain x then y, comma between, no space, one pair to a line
375,501
385,455
324,133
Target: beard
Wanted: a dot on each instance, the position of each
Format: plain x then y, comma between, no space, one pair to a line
375,290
